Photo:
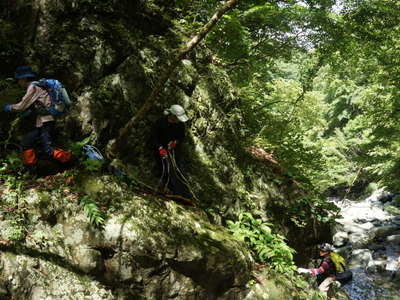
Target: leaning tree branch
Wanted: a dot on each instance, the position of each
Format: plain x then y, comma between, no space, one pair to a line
152,98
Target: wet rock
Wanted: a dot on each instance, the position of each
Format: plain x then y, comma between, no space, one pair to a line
367,226
361,257
376,266
386,197
393,264
376,247
345,251
350,227
340,239
360,240
396,199
383,231
393,239
380,195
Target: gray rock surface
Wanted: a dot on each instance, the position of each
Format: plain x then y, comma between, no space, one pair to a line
340,239
375,266
393,239
361,257
148,247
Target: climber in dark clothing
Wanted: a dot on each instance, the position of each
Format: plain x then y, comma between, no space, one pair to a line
43,131
167,136
326,272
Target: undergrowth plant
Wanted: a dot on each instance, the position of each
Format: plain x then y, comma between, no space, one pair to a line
12,180
91,165
268,247
93,212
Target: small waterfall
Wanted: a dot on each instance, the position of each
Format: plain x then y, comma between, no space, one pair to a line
368,236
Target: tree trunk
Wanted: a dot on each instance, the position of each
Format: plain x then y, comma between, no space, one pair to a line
149,102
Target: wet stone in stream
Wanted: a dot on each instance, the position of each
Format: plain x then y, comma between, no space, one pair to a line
368,236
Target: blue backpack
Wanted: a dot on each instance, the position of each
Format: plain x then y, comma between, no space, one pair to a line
92,152
60,102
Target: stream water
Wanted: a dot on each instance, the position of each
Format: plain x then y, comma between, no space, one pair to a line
368,236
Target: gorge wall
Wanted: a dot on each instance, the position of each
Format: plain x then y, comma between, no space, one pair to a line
109,54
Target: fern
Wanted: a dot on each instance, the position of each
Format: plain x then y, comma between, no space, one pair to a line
91,209
267,246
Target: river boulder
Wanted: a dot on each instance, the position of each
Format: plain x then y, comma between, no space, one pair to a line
393,239
340,239
361,257
383,231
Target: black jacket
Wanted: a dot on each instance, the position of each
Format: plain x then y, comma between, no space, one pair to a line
164,132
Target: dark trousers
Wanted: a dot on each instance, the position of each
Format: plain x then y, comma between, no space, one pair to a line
44,135
172,173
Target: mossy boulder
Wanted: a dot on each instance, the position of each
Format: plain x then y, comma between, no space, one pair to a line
149,247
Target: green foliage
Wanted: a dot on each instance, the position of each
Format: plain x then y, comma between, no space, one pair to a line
286,117
238,43
106,92
93,212
6,83
308,209
10,46
12,179
93,165
76,147
267,246
11,164
392,209
16,230
102,6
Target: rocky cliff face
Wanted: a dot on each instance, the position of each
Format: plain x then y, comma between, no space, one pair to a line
109,55
147,248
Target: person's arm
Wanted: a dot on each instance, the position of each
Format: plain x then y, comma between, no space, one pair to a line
324,266
27,100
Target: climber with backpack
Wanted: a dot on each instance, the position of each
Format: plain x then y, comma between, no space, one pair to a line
46,99
332,267
167,136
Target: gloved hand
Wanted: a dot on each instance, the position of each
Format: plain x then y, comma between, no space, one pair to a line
302,270
163,153
172,144
7,108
